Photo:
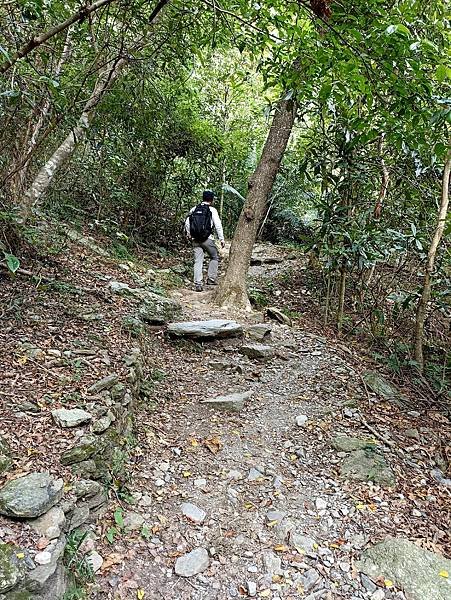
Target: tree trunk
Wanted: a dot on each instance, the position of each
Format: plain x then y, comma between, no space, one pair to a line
341,299
44,177
426,294
232,289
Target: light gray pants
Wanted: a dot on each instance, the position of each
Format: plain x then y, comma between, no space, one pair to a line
209,247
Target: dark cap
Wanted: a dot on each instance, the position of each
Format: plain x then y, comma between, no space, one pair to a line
208,196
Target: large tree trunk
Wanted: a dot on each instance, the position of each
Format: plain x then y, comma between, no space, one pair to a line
426,294
44,177
232,289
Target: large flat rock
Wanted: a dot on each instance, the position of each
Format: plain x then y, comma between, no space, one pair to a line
30,496
233,402
423,575
215,328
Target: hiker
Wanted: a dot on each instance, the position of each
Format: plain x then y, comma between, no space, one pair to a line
199,225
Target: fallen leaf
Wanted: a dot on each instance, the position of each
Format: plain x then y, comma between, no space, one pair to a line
272,523
20,555
140,594
186,473
281,548
444,574
265,594
194,443
42,543
112,559
388,583
213,444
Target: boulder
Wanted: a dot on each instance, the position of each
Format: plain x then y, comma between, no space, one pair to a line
278,315
420,573
158,310
379,385
85,449
343,443
367,465
70,417
133,325
233,402
259,332
30,496
259,351
50,524
215,328
12,567
192,563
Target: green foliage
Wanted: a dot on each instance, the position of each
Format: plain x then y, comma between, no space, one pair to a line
77,566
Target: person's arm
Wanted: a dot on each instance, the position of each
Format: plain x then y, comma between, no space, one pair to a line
217,224
187,224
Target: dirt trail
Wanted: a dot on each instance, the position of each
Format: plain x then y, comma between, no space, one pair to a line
279,521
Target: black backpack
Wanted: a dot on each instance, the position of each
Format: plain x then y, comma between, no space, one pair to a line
200,223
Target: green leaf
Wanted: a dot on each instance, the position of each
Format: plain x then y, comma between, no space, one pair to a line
110,534
118,518
442,72
12,262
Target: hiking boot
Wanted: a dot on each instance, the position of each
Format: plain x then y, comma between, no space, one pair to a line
199,287
211,282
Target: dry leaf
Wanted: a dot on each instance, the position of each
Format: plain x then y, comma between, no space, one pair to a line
213,444
140,594
112,559
444,574
281,548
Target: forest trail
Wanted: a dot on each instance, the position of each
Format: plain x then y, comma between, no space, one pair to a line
268,515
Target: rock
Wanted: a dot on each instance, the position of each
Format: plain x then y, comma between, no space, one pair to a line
95,561
133,325
412,433
86,468
85,449
43,558
12,568
369,585
50,524
70,417
79,516
146,501
47,581
415,570
233,402
378,595
193,513
5,456
102,424
367,465
158,310
321,504
343,443
272,563
302,543
30,496
382,387
104,384
275,515
259,332
133,521
278,315
215,328
192,563
259,351
309,579
251,588
301,420
254,475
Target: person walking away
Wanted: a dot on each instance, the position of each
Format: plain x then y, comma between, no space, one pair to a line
199,226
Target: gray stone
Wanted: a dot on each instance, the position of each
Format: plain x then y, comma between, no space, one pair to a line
309,579
50,524
30,496
379,385
79,516
133,325
233,402
412,433
367,465
415,570
42,581
368,583
70,417
302,543
104,384
5,456
102,424
301,420
86,448
133,521
193,513
259,332
321,504
343,443
275,515
192,563
158,310
278,315
215,328
12,568
251,588
272,563
254,475
378,595
260,351
86,468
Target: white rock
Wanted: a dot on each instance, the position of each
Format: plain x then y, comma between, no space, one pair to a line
95,560
234,474
200,483
321,504
146,501
301,420
43,558
193,512
378,595
251,588
133,521
192,563
50,524
70,417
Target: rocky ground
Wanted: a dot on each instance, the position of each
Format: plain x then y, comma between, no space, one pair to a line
267,464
